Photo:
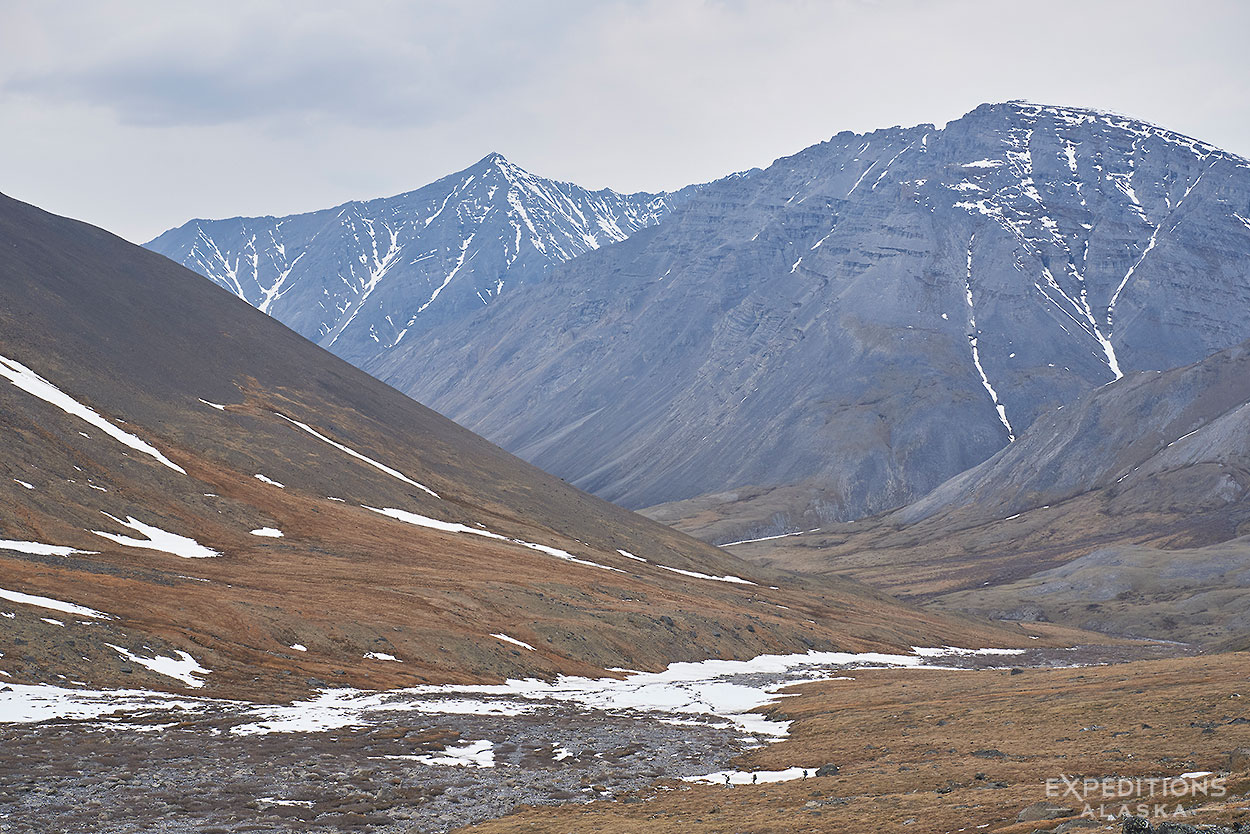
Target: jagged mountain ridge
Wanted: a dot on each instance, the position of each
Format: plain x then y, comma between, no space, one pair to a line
362,277
864,319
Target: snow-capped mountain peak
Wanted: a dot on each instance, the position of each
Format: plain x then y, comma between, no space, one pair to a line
361,277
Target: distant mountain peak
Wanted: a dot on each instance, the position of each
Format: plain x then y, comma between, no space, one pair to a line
358,278
492,161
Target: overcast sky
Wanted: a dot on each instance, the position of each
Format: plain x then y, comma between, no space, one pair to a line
138,116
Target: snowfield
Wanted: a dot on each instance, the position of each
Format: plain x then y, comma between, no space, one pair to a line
715,692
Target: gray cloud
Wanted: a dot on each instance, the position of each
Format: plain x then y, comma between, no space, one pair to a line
385,64
138,114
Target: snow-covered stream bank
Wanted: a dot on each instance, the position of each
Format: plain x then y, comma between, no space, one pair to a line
433,757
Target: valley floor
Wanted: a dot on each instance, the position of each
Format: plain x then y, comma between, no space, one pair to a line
989,750
909,742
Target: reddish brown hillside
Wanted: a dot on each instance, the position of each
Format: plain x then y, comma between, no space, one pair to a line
210,425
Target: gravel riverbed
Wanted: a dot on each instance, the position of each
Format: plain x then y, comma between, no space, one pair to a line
425,762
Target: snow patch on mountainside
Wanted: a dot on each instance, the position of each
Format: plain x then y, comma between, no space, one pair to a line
154,538
736,580
267,532
381,467
52,604
41,549
513,641
30,382
974,338
453,527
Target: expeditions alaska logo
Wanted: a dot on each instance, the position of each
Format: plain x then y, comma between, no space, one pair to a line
1150,797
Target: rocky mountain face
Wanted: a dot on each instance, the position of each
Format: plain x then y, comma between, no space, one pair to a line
1137,434
1123,511
861,321
364,277
192,495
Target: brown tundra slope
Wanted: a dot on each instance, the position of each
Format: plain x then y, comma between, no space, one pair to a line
142,405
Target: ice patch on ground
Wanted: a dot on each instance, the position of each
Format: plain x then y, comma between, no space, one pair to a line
711,693
725,690
25,703
479,753
293,803
952,651
750,777
179,668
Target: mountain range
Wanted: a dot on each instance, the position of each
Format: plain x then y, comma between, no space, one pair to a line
824,339
865,319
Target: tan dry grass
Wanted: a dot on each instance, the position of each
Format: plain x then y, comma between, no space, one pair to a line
910,745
